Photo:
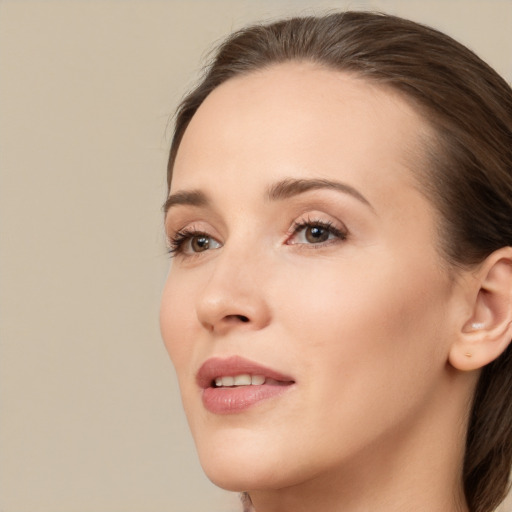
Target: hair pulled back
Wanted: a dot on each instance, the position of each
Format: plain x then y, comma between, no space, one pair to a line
467,171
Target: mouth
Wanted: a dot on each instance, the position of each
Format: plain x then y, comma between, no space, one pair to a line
234,384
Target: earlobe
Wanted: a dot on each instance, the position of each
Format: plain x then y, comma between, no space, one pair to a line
486,334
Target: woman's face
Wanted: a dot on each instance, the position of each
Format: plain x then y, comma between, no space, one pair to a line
305,258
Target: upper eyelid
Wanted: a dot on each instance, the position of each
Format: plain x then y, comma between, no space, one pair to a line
319,217
178,224
299,225
306,217
181,217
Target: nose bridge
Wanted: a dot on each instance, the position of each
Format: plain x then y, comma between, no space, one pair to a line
234,293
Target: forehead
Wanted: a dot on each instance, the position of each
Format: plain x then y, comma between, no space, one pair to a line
299,117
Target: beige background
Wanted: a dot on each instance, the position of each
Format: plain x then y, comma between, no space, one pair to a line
90,413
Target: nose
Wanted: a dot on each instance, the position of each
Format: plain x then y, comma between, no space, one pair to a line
234,295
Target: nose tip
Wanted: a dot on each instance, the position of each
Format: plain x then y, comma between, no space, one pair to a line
221,318
232,303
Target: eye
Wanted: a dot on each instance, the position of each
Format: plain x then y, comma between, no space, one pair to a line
315,232
190,242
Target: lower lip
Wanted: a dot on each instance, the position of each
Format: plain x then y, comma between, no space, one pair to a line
231,400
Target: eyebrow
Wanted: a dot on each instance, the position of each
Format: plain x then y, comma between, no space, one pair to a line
186,197
283,189
290,187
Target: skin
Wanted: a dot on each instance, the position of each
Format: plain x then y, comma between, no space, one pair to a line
363,322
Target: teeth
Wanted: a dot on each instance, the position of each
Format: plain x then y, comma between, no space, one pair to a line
257,380
240,380
228,381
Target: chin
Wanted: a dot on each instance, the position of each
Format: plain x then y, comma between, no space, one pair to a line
242,465
238,477
233,481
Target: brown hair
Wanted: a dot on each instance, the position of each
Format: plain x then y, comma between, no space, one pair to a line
468,176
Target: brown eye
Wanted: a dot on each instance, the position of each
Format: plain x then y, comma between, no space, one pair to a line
199,243
316,234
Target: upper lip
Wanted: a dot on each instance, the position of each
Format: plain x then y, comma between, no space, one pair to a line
234,365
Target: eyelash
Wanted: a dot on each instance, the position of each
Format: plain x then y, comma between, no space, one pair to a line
183,236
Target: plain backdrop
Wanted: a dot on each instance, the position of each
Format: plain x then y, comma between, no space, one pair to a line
91,419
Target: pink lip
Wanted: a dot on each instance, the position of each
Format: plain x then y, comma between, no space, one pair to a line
226,400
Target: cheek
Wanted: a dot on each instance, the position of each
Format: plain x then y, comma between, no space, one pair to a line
367,300
369,348
372,329
176,323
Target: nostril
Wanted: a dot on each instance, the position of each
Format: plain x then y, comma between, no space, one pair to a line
237,318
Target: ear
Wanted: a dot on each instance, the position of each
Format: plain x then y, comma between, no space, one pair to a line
487,331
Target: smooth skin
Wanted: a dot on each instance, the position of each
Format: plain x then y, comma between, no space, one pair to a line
342,287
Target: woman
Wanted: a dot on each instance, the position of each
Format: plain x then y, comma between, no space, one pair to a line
339,305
